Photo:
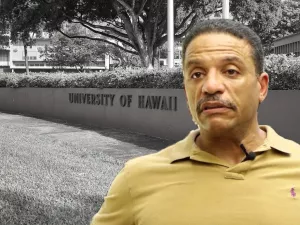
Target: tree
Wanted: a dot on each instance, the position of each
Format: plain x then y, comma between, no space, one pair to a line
287,25
138,27
66,52
290,22
81,52
4,26
260,15
23,19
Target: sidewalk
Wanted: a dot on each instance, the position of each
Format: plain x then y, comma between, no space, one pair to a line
55,173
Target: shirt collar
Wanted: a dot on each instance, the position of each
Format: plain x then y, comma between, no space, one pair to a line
186,148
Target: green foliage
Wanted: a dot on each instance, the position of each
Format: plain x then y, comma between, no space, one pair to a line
260,15
23,19
290,18
119,78
80,52
287,25
284,71
284,74
137,27
64,51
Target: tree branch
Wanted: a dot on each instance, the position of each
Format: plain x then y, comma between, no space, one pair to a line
188,28
133,4
128,26
211,12
98,39
114,25
155,27
126,6
109,35
142,7
47,1
183,22
115,31
162,28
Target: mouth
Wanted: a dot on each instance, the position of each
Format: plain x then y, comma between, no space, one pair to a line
216,107
215,110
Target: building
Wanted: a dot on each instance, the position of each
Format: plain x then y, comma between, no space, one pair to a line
12,58
288,44
163,61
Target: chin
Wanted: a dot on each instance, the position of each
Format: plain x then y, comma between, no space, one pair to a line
217,126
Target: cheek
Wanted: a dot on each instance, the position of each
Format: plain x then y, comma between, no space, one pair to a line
190,95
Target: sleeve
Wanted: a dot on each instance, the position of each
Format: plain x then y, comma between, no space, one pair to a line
117,206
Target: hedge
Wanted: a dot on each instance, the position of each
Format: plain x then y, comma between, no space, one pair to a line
283,71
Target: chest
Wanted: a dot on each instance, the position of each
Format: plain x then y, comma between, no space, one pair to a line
221,202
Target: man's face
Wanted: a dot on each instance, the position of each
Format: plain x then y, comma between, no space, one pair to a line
219,69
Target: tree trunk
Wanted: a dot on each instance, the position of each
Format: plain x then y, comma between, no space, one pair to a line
26,59
147,58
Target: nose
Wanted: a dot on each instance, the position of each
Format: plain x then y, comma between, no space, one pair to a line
212,83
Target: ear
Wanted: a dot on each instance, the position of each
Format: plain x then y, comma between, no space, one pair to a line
263,81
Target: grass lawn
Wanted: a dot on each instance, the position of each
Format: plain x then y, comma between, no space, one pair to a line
52,175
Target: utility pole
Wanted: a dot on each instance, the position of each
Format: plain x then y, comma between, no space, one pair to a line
170,33
225,9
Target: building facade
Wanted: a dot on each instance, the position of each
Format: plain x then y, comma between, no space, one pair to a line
287,45
12,58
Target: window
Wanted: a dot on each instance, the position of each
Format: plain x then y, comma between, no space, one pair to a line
4,56
294,47
30,57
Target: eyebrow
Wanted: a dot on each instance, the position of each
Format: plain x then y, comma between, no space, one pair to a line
223,60
232,59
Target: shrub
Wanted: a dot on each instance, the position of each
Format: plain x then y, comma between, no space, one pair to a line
119,78
283,71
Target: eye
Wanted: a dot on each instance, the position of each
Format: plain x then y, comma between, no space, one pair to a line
196,75
232,72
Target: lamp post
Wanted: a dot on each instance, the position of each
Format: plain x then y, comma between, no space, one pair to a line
225,9
170,33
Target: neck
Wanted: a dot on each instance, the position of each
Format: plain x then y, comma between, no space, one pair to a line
226,144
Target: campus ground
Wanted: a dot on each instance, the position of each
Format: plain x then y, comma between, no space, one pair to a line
56,173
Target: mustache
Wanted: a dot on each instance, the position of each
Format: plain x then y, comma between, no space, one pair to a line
228,104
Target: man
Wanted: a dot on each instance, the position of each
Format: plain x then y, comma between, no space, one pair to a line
230,171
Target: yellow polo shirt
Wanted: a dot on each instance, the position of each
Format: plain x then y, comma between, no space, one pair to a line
184,185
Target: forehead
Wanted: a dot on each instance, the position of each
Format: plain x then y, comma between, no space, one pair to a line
217,44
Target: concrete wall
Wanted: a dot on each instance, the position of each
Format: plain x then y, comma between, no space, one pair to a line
125,109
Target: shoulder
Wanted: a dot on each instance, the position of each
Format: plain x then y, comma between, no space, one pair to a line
293,146
166,156
150,168
158,158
